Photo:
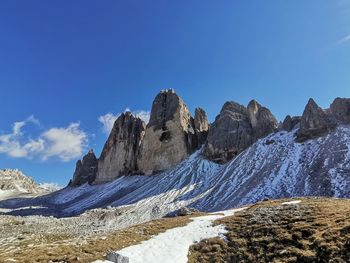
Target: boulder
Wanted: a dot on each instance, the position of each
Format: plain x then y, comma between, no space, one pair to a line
119,154
85,170
170,136
290,123
340,109
315,122
201,125
117,258
236,128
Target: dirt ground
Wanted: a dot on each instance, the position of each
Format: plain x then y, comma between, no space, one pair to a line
24,239
314,230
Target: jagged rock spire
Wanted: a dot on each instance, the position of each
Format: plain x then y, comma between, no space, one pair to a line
314,122
85,170
119,154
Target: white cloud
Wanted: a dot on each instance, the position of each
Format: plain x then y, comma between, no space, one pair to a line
65,143
108,119
344,40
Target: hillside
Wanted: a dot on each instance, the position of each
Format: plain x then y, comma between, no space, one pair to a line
274,167
14,183
285,230
299,230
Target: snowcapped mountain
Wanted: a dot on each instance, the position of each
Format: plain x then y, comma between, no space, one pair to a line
274,167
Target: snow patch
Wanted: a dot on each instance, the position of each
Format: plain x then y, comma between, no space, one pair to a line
172,246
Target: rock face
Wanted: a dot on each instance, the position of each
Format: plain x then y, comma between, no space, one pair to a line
290,123
236,128
340,109
315,122
262,120
119,154
13,179
170,134
85,170
201,125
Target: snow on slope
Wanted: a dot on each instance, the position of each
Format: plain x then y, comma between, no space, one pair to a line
172,246
274,167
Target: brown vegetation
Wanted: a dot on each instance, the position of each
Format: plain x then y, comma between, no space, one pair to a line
64,248
315,230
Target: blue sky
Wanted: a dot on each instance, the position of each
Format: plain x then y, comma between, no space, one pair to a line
64,65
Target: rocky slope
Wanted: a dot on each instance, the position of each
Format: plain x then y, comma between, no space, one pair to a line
274,167
13,183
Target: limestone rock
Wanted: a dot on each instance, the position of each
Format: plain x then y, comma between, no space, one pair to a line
340,109
236,128
85,171
230,133
117,258
290,123
315,122
119,154
201,125
170,136
262,120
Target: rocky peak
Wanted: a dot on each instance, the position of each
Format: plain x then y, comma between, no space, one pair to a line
315,122
14,179
340,109
290,123
200,120
262,120
170,136
230,133
253,110
236,128
85,169
119,154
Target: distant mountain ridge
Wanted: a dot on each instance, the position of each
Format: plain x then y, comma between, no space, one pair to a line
14,182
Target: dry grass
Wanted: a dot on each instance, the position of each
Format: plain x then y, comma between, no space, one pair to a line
57,248
316,230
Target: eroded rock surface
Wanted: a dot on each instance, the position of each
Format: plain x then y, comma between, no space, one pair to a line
315,122
201,125
85,170
170,136
236,128
340,109
119,154
290,123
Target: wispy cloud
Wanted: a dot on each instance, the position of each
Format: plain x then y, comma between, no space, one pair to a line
343,40
108,119
64,143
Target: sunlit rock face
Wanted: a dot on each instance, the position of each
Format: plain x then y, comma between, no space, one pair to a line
315,122
119,154
170,134
340,110
236,128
